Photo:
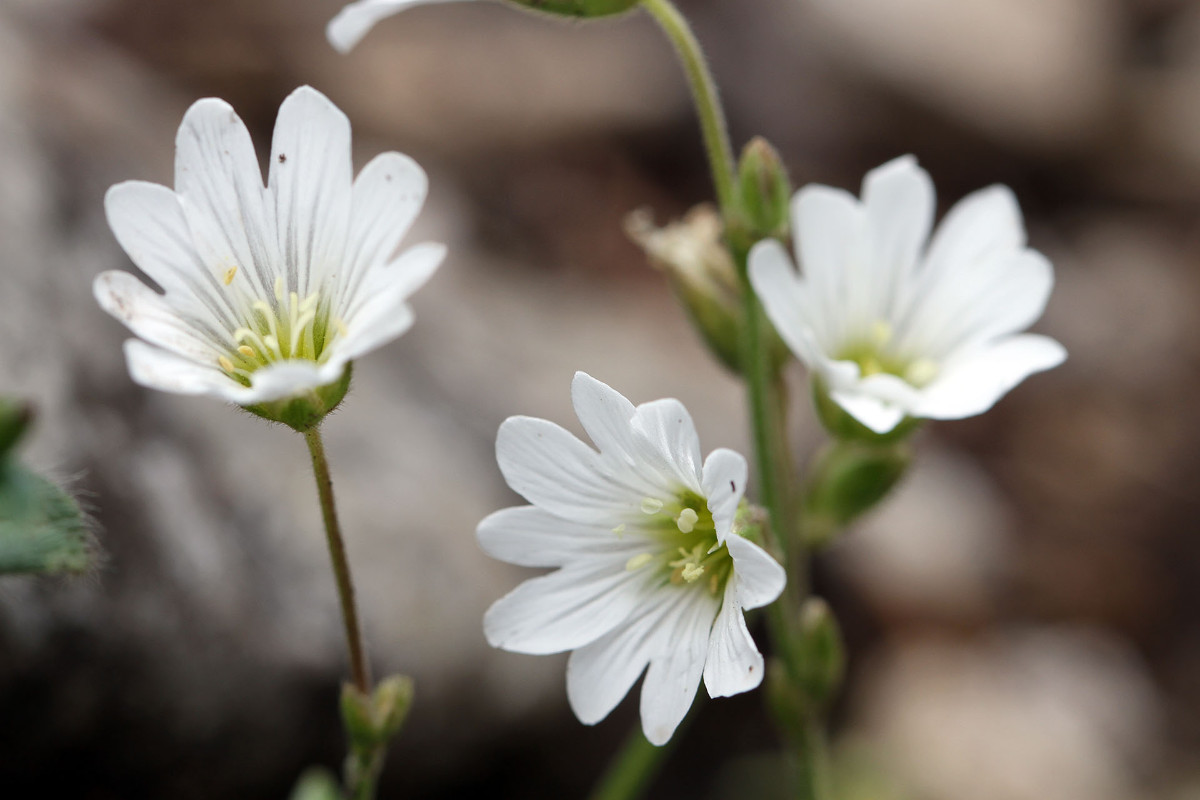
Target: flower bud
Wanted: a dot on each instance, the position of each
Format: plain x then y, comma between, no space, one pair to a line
848,479
763,192
305,410
373,721
822,654
581,9
701,272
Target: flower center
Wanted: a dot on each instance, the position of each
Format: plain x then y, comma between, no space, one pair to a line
687,552
875,355
290,328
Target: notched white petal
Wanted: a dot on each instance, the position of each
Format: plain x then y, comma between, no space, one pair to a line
724,483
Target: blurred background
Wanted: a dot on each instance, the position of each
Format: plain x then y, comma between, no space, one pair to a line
1023,617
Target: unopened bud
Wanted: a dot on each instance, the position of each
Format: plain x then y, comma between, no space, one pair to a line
849,479
822,654
373,720
764,192
702,274
580,9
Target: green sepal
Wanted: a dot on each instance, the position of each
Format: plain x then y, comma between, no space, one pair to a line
42,529
841,424
374,720
848,479
304,411
764,193
15,418
316,783
821,652
578,9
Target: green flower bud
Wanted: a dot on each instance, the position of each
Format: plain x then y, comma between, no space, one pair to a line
702,275
374,720
822,654
764,192
316,783
848,479
305,411
581,9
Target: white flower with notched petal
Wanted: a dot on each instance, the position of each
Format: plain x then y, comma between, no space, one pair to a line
267,292
650,570
893,328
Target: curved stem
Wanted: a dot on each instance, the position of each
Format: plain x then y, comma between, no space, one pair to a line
360,672
704,94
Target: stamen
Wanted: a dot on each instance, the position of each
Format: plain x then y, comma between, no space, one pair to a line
637,562
881,332
279,288
686,521
921,371
651,505
225,363
229,273
247,351
692,572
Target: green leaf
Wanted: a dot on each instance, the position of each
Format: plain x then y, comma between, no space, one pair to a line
42,529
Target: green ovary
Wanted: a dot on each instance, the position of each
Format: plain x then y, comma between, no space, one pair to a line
874,357
290,329
687,554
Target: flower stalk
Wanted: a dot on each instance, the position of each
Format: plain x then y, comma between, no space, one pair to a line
704,95
360,671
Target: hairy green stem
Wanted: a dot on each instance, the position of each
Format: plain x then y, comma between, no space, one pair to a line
360,672
704,95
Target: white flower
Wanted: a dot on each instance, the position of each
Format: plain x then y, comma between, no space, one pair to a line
894,328
267,292
650,571
354,21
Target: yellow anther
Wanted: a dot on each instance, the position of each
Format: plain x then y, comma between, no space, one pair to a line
920,372
686,521
638,561
271,342
225,363
247,351
651,505
881,332
229,273
691,572
279,288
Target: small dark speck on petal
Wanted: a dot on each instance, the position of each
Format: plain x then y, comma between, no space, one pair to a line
387,178
282,158
732,486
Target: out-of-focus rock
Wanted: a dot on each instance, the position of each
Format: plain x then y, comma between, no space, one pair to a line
1026,715
1038,74
935,549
